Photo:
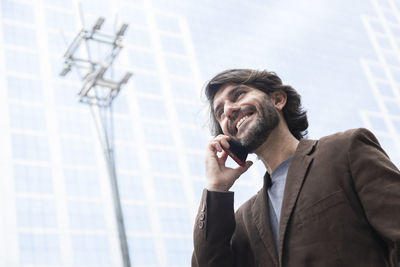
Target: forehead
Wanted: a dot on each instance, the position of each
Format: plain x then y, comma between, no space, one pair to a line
223,93
226,91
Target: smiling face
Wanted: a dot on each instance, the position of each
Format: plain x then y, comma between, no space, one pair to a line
245,114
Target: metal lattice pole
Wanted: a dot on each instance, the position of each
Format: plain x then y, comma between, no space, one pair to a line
99,92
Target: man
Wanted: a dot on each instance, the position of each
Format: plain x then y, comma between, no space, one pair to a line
328,202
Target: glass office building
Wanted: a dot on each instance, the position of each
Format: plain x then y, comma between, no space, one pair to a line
56,207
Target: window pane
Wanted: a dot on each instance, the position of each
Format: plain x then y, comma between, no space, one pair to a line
175,220
75,123
168,23
131,187
24,62
189,114
36,212
39,248
97,7
27,117
194,138
178,66
163,161
142,59
82,182
147,83
152,108
91,250
178,250
393,107
377,123
198,187
142,250
172,44
86,215
158,134
139,37
78,152
123,130
120,104
169,190
133,15
60,3
30,147
137,218
60,20
385,89
126,158
19,36
183,89
196,164
17,11
32,179
56,42
24,89
65,94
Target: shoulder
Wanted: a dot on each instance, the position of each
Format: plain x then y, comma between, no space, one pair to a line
338,145
350,136
353,143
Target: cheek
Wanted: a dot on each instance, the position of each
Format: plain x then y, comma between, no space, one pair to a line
224,127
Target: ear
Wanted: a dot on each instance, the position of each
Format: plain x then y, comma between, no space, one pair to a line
278,98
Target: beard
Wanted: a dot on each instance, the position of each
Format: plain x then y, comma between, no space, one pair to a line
266,121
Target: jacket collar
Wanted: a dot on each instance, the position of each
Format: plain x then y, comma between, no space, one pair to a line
297,172
260,211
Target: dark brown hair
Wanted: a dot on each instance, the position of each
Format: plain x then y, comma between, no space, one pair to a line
295,116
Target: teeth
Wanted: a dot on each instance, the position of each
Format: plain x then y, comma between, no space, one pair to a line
241,121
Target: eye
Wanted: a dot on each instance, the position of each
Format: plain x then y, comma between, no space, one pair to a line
238,94
218,114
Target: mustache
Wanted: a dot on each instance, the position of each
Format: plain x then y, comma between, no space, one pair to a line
231,126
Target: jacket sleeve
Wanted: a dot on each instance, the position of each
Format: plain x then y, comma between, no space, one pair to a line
377,182
213,230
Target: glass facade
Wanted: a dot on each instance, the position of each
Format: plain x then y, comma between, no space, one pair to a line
57,209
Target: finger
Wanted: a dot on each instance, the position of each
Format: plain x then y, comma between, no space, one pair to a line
211,152
223,157
222,136
219,147
225,144
215,146
246,166
223,140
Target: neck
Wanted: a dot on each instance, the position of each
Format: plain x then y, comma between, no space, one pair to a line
279,146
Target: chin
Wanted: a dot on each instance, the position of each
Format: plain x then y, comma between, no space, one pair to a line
254,138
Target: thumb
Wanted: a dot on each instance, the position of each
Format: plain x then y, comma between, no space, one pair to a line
246,166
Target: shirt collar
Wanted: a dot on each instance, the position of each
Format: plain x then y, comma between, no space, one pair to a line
279,172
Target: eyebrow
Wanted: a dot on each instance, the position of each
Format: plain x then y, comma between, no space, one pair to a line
230,94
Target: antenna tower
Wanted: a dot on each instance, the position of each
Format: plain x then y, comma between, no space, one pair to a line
98,91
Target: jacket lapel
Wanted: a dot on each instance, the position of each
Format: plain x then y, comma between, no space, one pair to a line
297,172
260,212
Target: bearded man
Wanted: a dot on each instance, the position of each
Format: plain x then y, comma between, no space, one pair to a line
328,202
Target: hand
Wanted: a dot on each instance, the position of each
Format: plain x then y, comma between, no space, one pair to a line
219,177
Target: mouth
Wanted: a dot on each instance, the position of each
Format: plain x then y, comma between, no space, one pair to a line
239,118
241,121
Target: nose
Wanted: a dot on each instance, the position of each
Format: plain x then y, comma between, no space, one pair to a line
230,108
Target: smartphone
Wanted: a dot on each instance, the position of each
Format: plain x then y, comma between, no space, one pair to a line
237,152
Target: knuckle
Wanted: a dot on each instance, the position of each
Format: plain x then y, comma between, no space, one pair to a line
221,137
212,142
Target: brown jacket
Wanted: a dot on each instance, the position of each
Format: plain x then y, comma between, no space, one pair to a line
341,207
